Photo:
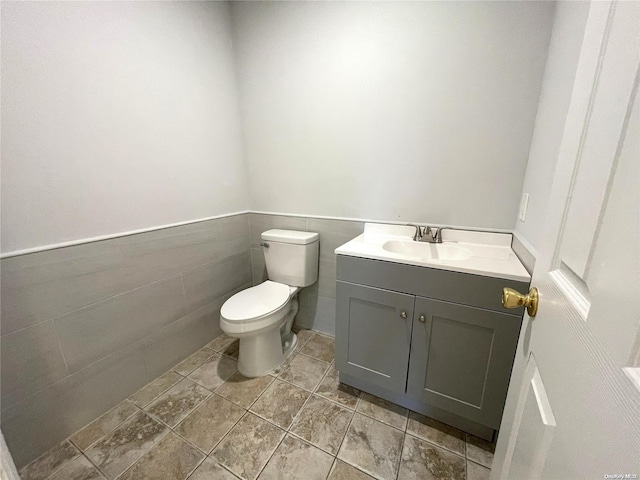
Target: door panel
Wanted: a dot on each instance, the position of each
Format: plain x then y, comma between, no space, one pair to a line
582,338
372,337
461,359
533,430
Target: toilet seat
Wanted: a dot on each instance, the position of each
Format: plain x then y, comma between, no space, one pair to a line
256,303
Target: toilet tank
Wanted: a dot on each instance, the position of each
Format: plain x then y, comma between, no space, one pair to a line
291,256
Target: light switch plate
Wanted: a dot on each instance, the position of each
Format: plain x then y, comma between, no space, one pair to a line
524,203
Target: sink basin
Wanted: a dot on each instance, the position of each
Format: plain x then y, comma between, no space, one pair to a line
427,251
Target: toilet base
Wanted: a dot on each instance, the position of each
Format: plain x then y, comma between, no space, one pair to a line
290,345
260,354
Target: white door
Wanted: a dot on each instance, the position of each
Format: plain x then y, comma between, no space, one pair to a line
573,409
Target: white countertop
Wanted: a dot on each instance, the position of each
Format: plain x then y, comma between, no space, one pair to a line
482,253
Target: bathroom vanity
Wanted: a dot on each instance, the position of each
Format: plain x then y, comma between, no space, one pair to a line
422,325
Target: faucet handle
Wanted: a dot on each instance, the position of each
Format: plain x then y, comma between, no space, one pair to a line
432,232
418,234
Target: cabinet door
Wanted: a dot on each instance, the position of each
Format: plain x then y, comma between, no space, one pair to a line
461,359
373,334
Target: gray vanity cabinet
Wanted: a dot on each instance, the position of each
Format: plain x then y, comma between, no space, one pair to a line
435,341
374,343
461,359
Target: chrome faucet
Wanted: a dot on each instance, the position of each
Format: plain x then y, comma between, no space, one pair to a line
428,234
431,235
417,237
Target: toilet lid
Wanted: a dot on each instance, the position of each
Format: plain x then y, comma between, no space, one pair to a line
255,302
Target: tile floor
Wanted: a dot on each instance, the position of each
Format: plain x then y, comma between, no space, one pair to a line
203,420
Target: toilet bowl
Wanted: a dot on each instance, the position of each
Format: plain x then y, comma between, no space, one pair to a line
258,317
262,316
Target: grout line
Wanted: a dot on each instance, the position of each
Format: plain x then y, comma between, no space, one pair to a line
297,415
136,410
404,438
431,442
64,357
466,469
95,466
226,434
186,375
83,241
197,466
182,377
272,454
380,421
466,446
185,439
333,465
6,334
135,462
322,449
347,431
142,409
313,358
58,468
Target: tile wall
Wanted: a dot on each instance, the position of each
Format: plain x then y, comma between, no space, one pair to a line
83,327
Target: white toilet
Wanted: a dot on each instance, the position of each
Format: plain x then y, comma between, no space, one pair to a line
262,316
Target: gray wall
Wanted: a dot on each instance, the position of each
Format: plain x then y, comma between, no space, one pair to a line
394,111
116,117
84,327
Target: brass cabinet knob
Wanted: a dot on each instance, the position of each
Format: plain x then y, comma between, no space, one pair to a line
513,299
422,318
403,314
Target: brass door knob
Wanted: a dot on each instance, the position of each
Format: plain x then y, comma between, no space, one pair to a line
403,314
422,318
513,299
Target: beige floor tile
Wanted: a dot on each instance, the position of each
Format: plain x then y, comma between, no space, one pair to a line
344,471
436,432
214,371
280,403
477,472
170,459
79,469
373,447
480,451
283,366
232,350
304,336
248,446
383,410
104,424
304,372
322,423
193,362
56,458
331,388
210,422
320,347
177,402
242,390
218,344
295,459
152,390
211,470
126,444
424,461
